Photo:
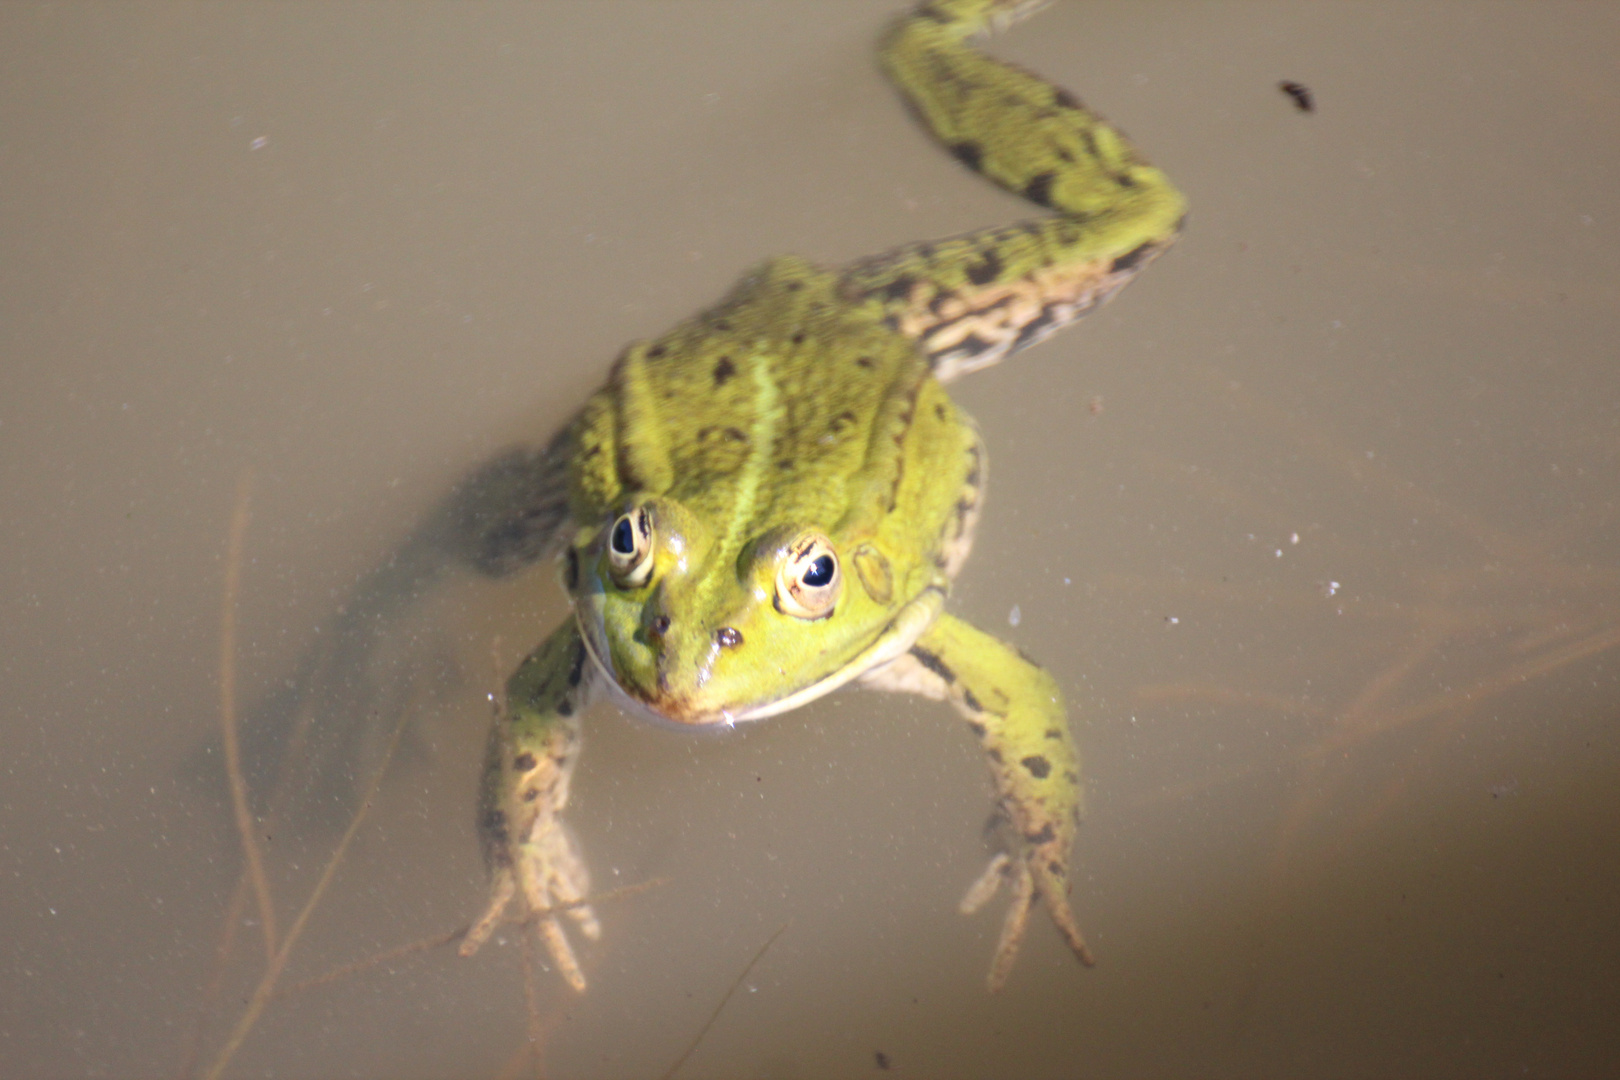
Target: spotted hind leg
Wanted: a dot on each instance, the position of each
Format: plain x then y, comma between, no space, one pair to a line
972,300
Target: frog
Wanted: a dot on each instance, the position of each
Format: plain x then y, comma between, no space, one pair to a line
771,500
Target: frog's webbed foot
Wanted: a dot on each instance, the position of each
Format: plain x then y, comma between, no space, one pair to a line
546,877
535,863
1017,713
1038,872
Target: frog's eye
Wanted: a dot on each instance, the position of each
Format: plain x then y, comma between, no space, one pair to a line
808,583
630,549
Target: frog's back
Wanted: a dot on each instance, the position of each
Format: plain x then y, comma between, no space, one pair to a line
783,403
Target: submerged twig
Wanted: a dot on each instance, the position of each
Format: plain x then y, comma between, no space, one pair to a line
267,985
399,952
720,1007
227,715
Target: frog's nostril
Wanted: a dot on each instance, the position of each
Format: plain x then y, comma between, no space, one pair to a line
660,626
728,637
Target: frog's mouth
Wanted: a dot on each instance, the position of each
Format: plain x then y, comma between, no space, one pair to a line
894,640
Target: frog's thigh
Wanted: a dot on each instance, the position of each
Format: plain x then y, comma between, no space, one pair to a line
1016,710
973,300
533,748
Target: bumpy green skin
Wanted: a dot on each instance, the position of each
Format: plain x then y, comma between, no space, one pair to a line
806,414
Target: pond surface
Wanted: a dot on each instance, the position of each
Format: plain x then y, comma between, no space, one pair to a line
1316,526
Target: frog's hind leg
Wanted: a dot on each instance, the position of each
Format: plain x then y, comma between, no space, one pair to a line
510,512
973,300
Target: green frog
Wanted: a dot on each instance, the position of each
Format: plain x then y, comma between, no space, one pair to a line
771,500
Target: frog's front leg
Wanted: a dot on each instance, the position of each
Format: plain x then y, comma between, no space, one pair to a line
1016,710
532,751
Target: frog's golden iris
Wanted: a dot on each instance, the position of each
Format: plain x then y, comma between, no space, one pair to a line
771,500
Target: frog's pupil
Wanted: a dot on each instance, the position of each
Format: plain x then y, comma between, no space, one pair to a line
624,537
820,572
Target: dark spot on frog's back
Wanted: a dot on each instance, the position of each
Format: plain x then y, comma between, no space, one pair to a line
968,153
723,370
523,762
1046,835
654,352
1064,99
863,362
1038,766
1039,188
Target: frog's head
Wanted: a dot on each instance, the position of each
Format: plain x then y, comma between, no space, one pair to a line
702,632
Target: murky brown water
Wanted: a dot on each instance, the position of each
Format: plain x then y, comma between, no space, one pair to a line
1332,579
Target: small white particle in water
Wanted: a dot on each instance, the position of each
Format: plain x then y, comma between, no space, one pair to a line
1330,588
1066,581
1172,620
1015,616
260,143
1279,553
1369,455
1293,538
